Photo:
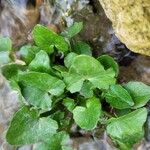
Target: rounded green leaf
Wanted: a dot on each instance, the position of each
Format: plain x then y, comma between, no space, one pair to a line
87,89
74,82
40,63
46,39
5,48
4,57
28,52
56,142
27,128
139,92
5,44
69,59
11,70
118,97
58,70
43,87
82,48
73,30
128,129
86,68
108,62
69,103
14,86
87,117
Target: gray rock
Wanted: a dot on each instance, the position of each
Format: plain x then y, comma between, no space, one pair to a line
8,105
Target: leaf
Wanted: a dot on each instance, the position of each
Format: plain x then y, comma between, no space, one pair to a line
5,44
139,92
46,39
87,89
109,62
73,82
82,48
118,97
73,30
57,142
14,86
40,63
69,103
60,68
121,112
28,128
87,68
43,87
28,52
87,117
69,59
58,116
128,129
4,58
11,70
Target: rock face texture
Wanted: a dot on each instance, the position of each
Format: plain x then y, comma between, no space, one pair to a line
131,21
8,105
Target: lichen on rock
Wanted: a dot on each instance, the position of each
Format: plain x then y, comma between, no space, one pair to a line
131,21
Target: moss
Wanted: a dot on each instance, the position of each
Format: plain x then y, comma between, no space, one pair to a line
131,21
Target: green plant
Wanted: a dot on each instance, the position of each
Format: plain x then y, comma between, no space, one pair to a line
59,84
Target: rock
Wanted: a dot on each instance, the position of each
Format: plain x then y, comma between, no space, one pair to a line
16,21
84,143
96,32
131,21
8,105
138,70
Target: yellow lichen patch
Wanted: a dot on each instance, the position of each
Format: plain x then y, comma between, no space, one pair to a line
131,21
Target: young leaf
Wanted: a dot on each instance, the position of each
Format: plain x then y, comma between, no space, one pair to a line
128,129
139,92
87,117
28,52
73,30
43,87
46,39
82,48
87,68
118,97
58,141
109,62
5,44
69,103
40,63
27,128
69,59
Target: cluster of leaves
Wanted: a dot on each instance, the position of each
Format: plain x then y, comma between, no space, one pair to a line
59,83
